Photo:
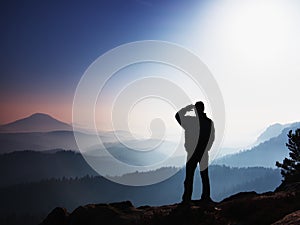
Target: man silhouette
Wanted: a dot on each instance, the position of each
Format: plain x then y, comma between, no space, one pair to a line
199,136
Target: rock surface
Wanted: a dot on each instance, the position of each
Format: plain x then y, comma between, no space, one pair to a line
279,207
290,219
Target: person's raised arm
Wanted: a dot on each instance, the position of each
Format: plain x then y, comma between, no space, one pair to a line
180,114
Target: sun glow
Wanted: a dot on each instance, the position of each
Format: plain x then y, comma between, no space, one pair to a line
252,48
258,29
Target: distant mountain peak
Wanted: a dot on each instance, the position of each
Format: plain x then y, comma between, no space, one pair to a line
37,122
40,115
270,132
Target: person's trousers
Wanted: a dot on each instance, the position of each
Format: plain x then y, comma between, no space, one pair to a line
189,176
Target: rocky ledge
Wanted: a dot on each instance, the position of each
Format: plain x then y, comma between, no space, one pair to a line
279,207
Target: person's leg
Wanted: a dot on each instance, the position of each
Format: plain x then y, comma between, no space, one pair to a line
205,178
189,179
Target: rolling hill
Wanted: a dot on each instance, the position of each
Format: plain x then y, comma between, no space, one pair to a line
58,179
38,122
265,154
272,131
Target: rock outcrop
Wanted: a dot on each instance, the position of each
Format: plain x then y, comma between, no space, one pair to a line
279,207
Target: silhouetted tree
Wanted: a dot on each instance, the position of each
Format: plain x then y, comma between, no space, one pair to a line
290,167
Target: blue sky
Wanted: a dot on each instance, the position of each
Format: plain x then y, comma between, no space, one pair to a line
47,45
251,47
42,41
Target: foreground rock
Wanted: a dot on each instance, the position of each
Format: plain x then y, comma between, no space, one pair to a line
278,208
290,219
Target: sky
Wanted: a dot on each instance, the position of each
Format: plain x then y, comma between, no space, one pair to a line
251,47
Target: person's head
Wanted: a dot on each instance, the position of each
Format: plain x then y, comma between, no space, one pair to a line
199,106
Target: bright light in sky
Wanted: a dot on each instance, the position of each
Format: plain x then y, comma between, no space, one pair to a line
258,29
252,48
164,80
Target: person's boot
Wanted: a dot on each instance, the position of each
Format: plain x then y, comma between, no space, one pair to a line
186,200
206,200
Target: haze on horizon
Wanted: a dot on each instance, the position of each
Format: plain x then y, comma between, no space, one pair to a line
251,47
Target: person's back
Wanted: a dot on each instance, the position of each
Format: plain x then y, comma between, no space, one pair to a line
205,132
199,129
199,136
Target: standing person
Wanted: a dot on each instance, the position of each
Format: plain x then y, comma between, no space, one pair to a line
199,136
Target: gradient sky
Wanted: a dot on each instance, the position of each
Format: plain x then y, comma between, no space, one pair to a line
252,48
47,45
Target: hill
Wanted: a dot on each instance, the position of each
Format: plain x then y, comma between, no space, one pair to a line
264,154
43,141
33,183
246,208
40,197
38,122
272,131
39,141
15,169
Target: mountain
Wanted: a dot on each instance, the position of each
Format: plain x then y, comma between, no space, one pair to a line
65,140
40,141
264,154
272,131
14,170
55,163
33,183
279,207
14,167
39,198
68,190
37,122
43,141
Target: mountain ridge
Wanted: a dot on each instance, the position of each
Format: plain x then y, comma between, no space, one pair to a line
264,154
37,122
271,131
